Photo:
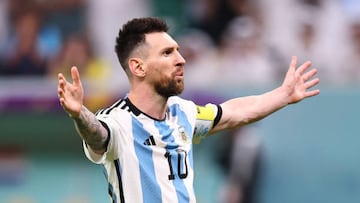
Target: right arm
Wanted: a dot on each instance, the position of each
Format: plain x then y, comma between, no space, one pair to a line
88,126
297,86
92,131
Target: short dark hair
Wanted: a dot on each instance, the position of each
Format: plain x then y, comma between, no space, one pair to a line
132,35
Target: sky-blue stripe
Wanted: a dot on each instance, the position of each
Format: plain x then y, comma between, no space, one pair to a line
183,119
166,132
150,188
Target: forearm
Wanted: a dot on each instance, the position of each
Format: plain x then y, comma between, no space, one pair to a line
260,106
244,110
91,130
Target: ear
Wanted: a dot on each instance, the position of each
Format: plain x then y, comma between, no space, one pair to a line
136,67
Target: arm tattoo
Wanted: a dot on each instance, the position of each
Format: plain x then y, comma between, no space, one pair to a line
91,130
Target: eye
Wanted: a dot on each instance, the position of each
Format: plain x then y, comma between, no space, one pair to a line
167,52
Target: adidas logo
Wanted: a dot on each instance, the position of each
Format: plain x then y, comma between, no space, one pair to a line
150,141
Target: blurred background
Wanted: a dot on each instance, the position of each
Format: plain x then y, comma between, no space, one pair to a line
304,153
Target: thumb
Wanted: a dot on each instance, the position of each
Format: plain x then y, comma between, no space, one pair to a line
293,63
75,76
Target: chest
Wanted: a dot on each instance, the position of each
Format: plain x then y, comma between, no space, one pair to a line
163,134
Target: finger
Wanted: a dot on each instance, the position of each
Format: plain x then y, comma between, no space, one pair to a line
312,83
304,67
292,67
62,102
293,61
293,64
61,84
75,76
310,74
60,76
61,97
312,93
60,91
61,81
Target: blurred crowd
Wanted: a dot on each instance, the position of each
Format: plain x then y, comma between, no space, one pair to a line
40,38
236,42
242,43
252,41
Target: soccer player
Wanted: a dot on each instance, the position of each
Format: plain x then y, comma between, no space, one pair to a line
145,140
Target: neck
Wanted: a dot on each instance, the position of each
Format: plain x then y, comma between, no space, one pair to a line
149,102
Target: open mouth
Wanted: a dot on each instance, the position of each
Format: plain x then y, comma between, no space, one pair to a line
180,74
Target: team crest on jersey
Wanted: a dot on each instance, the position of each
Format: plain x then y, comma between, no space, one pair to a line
182,134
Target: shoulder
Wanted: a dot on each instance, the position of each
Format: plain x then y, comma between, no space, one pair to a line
112,109
178,104
178,100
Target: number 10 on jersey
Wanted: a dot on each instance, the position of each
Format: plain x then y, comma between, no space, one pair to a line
182,167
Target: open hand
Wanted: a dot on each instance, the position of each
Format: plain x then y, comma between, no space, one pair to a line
299,81
71,94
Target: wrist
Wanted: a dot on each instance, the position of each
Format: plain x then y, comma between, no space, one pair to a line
75,114
285,94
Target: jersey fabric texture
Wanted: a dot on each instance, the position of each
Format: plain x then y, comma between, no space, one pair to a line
150,160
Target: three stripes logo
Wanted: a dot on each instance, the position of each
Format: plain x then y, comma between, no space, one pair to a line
150,141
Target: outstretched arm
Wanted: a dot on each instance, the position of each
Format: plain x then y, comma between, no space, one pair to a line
71,97
244,110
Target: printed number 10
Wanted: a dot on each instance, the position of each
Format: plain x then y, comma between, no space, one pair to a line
182,165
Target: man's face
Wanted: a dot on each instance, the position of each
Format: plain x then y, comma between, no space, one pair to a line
164,64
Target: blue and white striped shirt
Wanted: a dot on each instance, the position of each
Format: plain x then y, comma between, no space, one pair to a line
150,160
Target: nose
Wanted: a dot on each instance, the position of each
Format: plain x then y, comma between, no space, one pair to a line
180,60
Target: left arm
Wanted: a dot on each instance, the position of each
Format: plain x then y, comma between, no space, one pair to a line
244,110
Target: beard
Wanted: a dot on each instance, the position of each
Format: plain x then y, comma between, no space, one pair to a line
168,87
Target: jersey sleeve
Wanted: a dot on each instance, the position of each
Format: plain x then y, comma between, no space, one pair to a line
206,118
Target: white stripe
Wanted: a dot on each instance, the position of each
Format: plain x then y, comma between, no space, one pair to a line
130,174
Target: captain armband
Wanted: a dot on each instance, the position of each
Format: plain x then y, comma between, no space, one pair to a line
206,118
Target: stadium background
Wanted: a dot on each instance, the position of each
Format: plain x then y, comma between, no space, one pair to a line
309,151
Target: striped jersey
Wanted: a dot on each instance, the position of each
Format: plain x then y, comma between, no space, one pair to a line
150,160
